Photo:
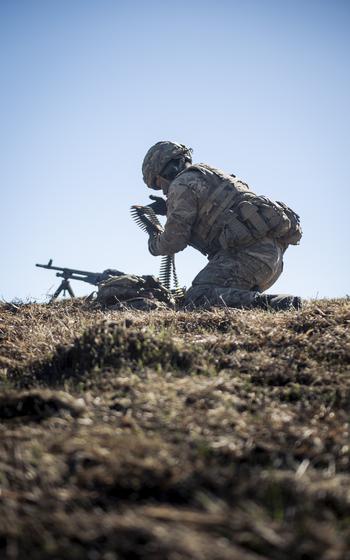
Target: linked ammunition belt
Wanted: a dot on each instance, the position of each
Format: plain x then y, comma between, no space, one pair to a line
147,220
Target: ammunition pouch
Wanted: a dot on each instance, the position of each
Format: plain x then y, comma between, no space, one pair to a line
294,234
256,217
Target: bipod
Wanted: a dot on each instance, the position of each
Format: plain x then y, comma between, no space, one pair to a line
63,287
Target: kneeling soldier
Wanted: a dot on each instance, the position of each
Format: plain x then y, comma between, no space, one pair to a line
243,235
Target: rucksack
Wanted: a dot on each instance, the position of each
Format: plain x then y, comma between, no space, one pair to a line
130,287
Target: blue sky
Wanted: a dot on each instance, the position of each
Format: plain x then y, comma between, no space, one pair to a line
258,88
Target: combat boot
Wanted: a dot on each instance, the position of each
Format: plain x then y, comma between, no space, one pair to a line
277,302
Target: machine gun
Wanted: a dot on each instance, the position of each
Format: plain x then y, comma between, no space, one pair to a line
82,275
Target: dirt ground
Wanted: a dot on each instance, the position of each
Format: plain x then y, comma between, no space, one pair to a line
214,435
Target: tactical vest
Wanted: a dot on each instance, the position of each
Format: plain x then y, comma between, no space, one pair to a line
232,216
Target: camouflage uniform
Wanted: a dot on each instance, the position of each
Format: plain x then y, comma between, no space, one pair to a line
201,202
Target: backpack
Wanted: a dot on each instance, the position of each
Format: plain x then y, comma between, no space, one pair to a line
131,289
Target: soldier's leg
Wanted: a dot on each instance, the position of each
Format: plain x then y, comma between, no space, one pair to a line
269,252
230,279
207,295
236,279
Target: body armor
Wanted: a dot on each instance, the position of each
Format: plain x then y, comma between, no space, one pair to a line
231,216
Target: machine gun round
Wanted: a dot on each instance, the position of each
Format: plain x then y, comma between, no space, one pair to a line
147,220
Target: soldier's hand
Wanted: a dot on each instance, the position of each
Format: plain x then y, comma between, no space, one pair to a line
159,205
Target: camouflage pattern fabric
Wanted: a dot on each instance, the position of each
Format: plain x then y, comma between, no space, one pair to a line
138,292
188,195
158,156
235,278
200,200
204,204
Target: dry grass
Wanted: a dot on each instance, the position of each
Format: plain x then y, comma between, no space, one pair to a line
221,434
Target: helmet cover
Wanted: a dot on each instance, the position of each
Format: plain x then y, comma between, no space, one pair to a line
158,156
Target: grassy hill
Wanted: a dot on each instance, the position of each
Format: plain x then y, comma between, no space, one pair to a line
216,435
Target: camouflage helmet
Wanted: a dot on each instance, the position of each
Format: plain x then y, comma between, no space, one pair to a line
159,156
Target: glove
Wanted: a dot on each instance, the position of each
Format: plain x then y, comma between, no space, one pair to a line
158,206
152,245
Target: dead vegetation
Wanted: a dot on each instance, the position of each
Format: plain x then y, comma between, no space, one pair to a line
221,434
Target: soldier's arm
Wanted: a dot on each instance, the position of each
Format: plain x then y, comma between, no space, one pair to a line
182,213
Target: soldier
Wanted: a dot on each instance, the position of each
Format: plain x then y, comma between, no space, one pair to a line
243,235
